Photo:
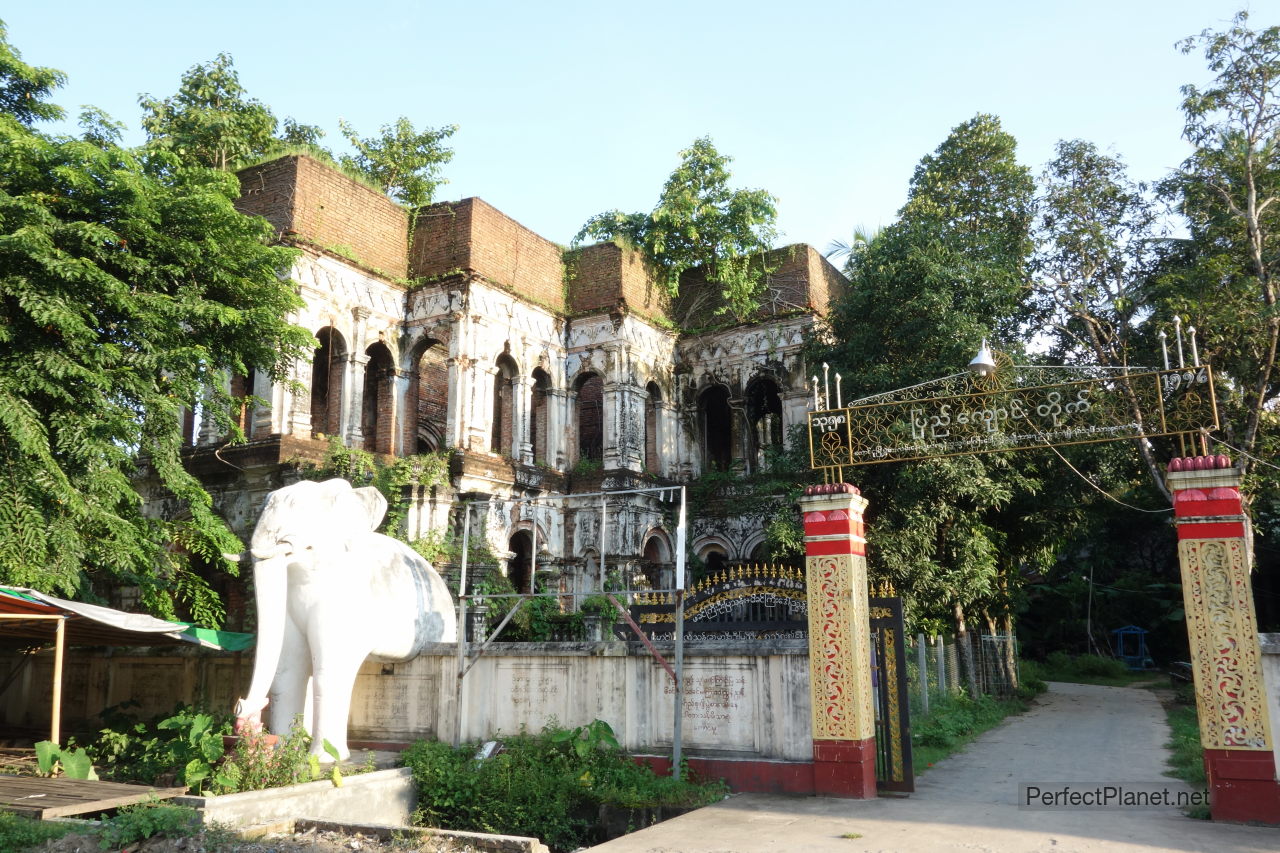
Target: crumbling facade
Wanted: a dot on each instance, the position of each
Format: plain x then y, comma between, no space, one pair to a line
545,372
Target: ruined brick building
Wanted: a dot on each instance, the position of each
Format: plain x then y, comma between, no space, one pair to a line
545,371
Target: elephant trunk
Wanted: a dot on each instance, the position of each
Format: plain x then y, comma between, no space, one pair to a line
270,579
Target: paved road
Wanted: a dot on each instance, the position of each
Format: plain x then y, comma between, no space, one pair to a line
1076,735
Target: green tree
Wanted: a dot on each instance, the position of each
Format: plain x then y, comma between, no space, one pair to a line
24,88
1097,249
952,269
700,222
129,287
210,121
1225,277
405,162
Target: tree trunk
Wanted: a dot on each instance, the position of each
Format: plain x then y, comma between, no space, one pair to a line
966,652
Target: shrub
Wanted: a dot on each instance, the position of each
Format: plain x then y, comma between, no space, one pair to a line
1060,666
1093,665
551,785
19,833
955,719
183,747
136,823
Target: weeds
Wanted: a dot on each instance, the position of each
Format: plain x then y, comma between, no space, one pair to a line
19,833
953,722
552,785
138,823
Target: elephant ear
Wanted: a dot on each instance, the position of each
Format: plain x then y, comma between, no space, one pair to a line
366,503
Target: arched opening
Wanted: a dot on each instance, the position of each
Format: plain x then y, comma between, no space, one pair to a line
241,391
716,419
764,416
503,405
590,418
760,553
657,559
538,417
652,464
326,383
715,559
520,565
375,419
428,403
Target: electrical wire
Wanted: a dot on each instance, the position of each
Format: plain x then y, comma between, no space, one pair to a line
1243,453
1101,490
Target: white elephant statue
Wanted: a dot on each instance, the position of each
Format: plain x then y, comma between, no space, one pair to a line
330,593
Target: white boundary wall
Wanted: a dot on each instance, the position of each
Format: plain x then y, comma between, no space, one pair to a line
745,699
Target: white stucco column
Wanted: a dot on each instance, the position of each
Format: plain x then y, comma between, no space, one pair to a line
628,426
612,419
398,386
557,428
668,431
459,394
795,410
480,418
521,405
292,412
353,399
209,433
263,418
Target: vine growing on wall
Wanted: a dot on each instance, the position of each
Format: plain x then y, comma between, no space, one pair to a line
362,468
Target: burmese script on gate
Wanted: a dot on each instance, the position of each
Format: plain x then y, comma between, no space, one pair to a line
1015,417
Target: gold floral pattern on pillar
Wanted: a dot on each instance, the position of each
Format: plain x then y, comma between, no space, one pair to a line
1224,644
839,660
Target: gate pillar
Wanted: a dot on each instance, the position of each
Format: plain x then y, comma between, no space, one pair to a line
844,743
1226,660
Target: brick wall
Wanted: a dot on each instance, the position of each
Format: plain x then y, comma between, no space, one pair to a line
800,279
606,275
477,238
303,197
804,278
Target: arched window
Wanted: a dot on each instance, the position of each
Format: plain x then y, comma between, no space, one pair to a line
503,405
764,416
717,428
427,406
375,420
538,417
652,464
326,383
657,558
590,417
519,566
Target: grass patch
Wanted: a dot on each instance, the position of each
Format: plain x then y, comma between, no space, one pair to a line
954,722
1186,759
1085,669
19,833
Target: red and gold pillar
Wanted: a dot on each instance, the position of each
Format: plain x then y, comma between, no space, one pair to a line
1226,660
844,743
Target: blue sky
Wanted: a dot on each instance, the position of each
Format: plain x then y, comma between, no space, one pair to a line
567,109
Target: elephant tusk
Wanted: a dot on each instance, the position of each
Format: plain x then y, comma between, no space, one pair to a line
235,558
269,553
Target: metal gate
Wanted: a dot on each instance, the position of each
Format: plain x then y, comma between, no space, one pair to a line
893,711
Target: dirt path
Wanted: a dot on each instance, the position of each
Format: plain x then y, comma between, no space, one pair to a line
1076,735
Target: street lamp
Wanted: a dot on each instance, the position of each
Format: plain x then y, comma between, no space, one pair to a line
983,364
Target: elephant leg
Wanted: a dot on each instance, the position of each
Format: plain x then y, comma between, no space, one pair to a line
289,687
336,664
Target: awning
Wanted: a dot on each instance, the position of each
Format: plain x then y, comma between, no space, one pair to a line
92,625
26,614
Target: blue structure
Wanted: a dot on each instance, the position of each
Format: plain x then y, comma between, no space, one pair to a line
1129,644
